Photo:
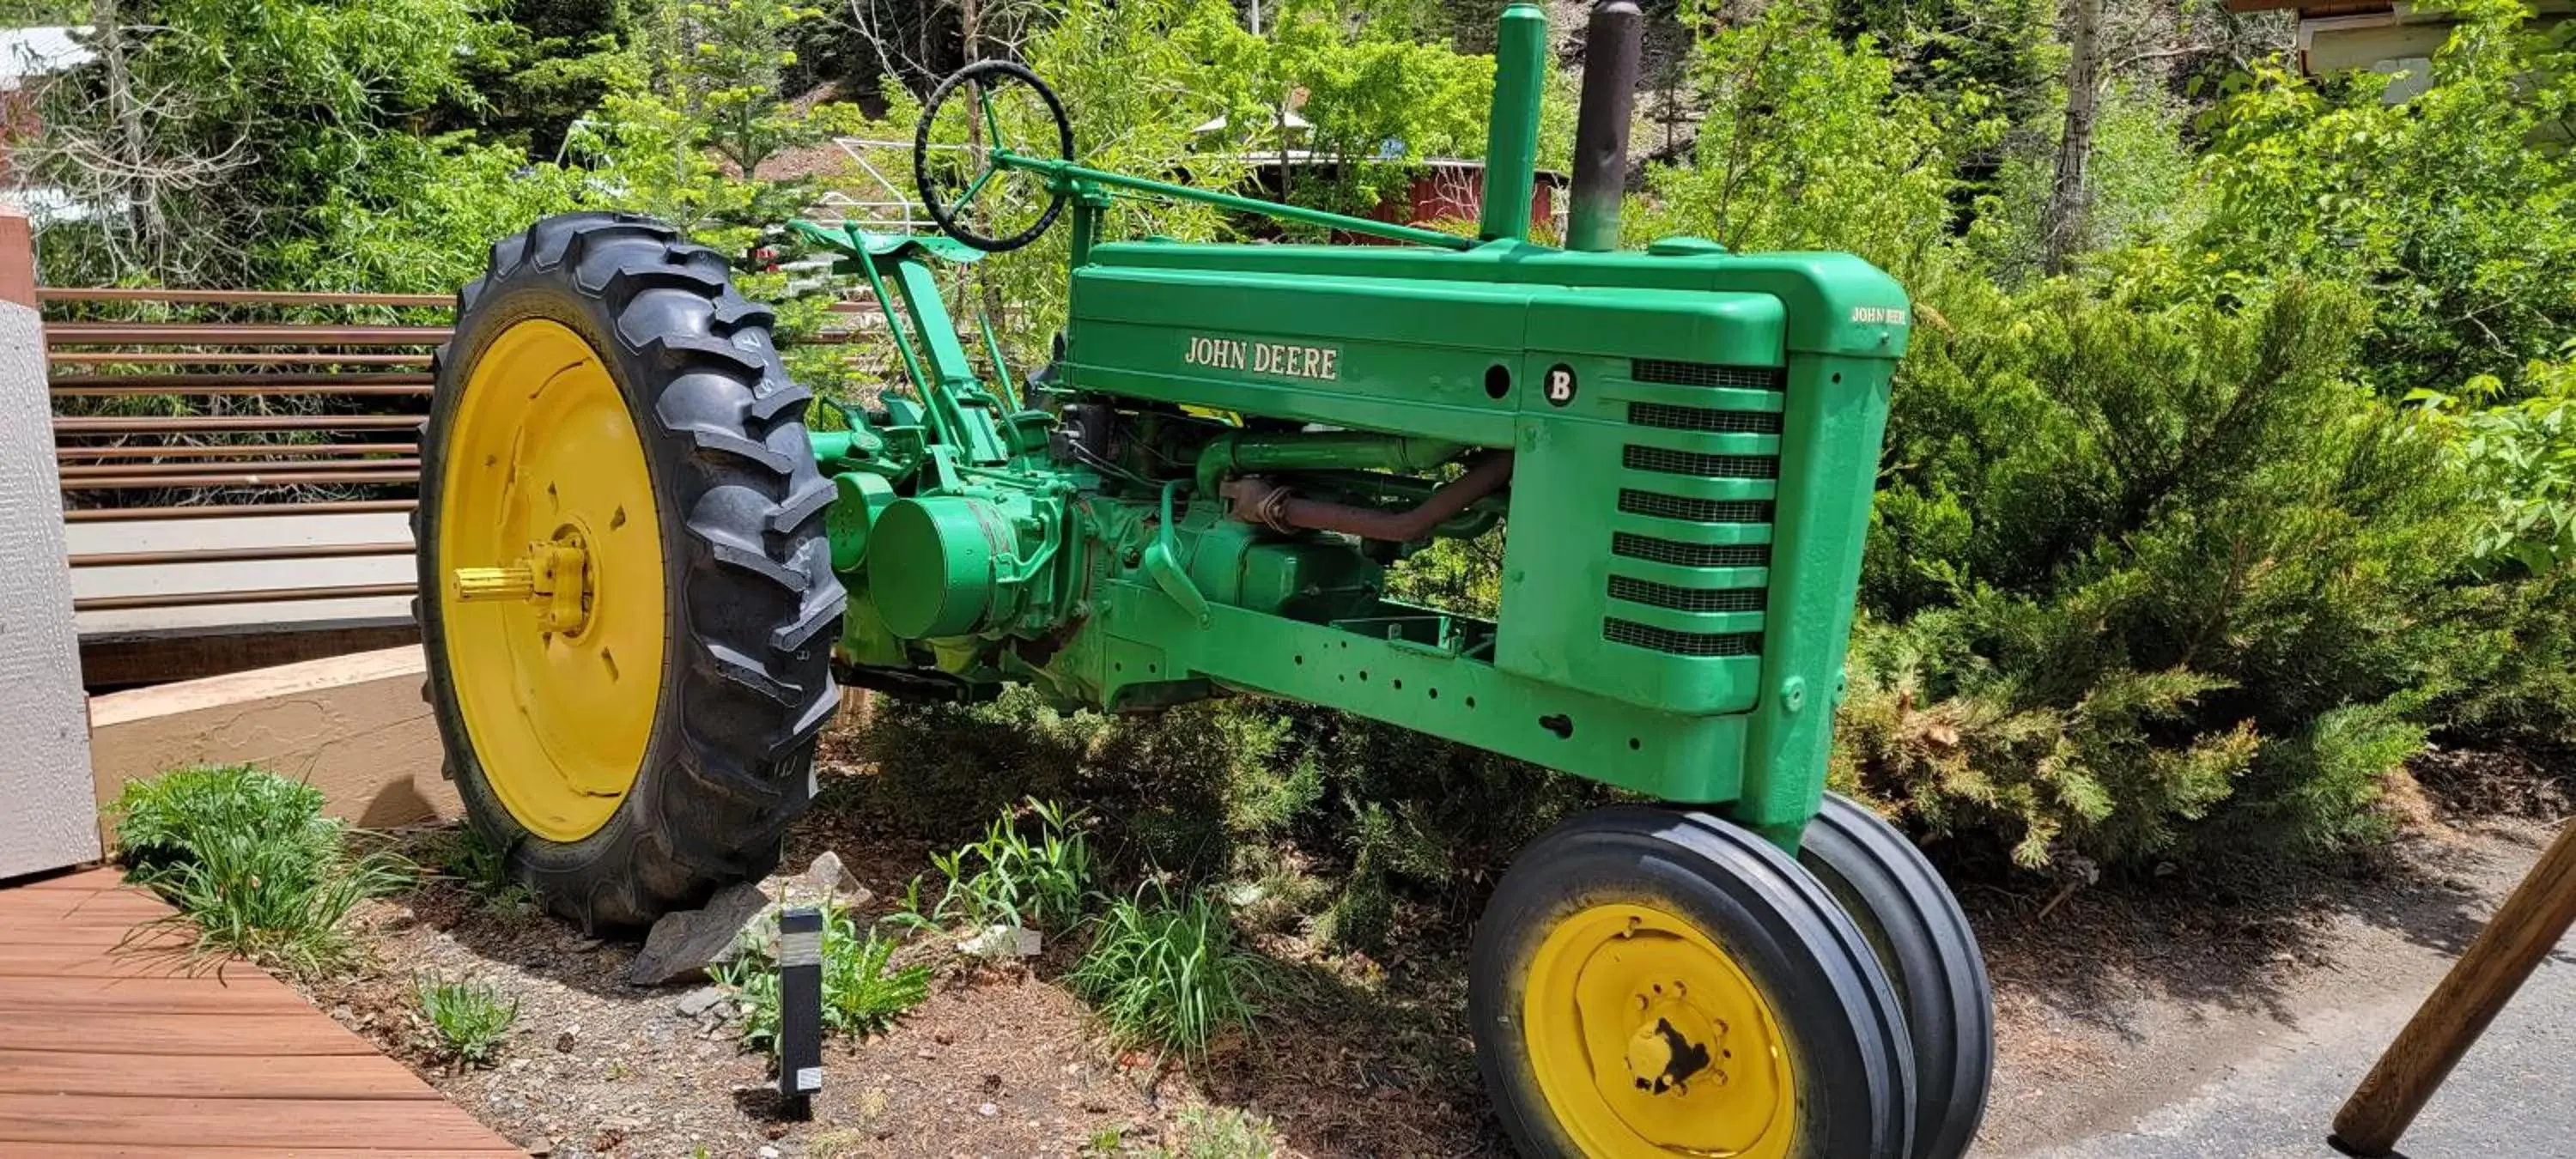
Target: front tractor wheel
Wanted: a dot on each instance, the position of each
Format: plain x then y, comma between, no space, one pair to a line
1651,983
627,601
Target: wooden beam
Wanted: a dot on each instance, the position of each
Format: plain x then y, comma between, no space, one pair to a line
2525,928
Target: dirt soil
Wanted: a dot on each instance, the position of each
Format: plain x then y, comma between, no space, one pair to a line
2110,1000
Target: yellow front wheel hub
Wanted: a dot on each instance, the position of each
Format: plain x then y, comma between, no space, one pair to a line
1648,1040
554,604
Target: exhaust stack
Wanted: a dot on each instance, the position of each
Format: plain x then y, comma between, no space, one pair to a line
1610,52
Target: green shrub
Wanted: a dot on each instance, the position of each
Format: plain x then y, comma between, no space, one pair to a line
863,992
248,858
2141,558
468,1018
1167,973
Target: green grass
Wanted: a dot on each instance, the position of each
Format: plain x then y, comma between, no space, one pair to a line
468,1018
1222,1133
862,991
461,855
1009,879
249,860
1168,974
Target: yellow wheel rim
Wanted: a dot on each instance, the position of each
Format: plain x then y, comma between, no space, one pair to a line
1649,1041
552,601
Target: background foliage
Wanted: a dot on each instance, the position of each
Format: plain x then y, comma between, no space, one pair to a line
2182,550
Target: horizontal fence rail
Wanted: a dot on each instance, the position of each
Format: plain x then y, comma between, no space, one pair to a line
214,447
222,452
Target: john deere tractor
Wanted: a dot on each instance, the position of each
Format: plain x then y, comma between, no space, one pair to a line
644,576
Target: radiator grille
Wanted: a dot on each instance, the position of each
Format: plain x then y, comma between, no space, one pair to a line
1672,462
1682,599
1693,418
1690,554
1662,506
1619,631
1705,374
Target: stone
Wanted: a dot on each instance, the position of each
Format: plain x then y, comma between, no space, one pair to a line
699,1001
768,1153
988,1110
824,881
1001,941
683,944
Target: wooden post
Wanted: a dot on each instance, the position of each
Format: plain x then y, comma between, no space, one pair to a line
2525,928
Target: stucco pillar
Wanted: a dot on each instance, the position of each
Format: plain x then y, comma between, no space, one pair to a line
48,818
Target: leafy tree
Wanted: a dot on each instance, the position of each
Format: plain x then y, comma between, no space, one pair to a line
2462,227
719,61
208,131
1808,144
548,63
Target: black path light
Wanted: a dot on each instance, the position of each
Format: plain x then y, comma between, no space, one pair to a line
800,1008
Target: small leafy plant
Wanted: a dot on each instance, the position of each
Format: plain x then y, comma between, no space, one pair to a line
469,1018
1168,973
248,858
862,990
1006,878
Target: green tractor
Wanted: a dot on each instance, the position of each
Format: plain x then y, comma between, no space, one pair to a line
644,578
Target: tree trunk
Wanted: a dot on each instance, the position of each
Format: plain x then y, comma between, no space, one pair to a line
142,194
2062,230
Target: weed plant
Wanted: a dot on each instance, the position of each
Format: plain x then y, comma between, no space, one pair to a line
863,992
1009,879
1168,974
469,1018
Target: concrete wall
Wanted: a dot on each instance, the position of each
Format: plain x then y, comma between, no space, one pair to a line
354,726
45,812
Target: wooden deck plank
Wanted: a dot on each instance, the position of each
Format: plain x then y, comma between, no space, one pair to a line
144,957
193,1151
241,989
55,903
35,1072
99,936
236,1036
272,1123
92,880
110,1046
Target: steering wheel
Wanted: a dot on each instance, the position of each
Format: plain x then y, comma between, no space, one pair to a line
983,78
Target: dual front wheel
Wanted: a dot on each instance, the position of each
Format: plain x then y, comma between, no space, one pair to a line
1653,982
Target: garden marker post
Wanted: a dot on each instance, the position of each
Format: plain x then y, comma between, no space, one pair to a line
800,1008
2532,921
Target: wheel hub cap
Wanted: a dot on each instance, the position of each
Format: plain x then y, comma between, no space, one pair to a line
1649,1040
553,609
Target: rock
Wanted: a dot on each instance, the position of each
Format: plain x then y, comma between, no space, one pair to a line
699,1001
823,882
988,1110
768,1153
683,944
1001,941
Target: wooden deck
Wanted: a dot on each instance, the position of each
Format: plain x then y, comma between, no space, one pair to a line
109,1051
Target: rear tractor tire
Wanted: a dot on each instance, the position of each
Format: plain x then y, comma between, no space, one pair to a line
1649,982
627,602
